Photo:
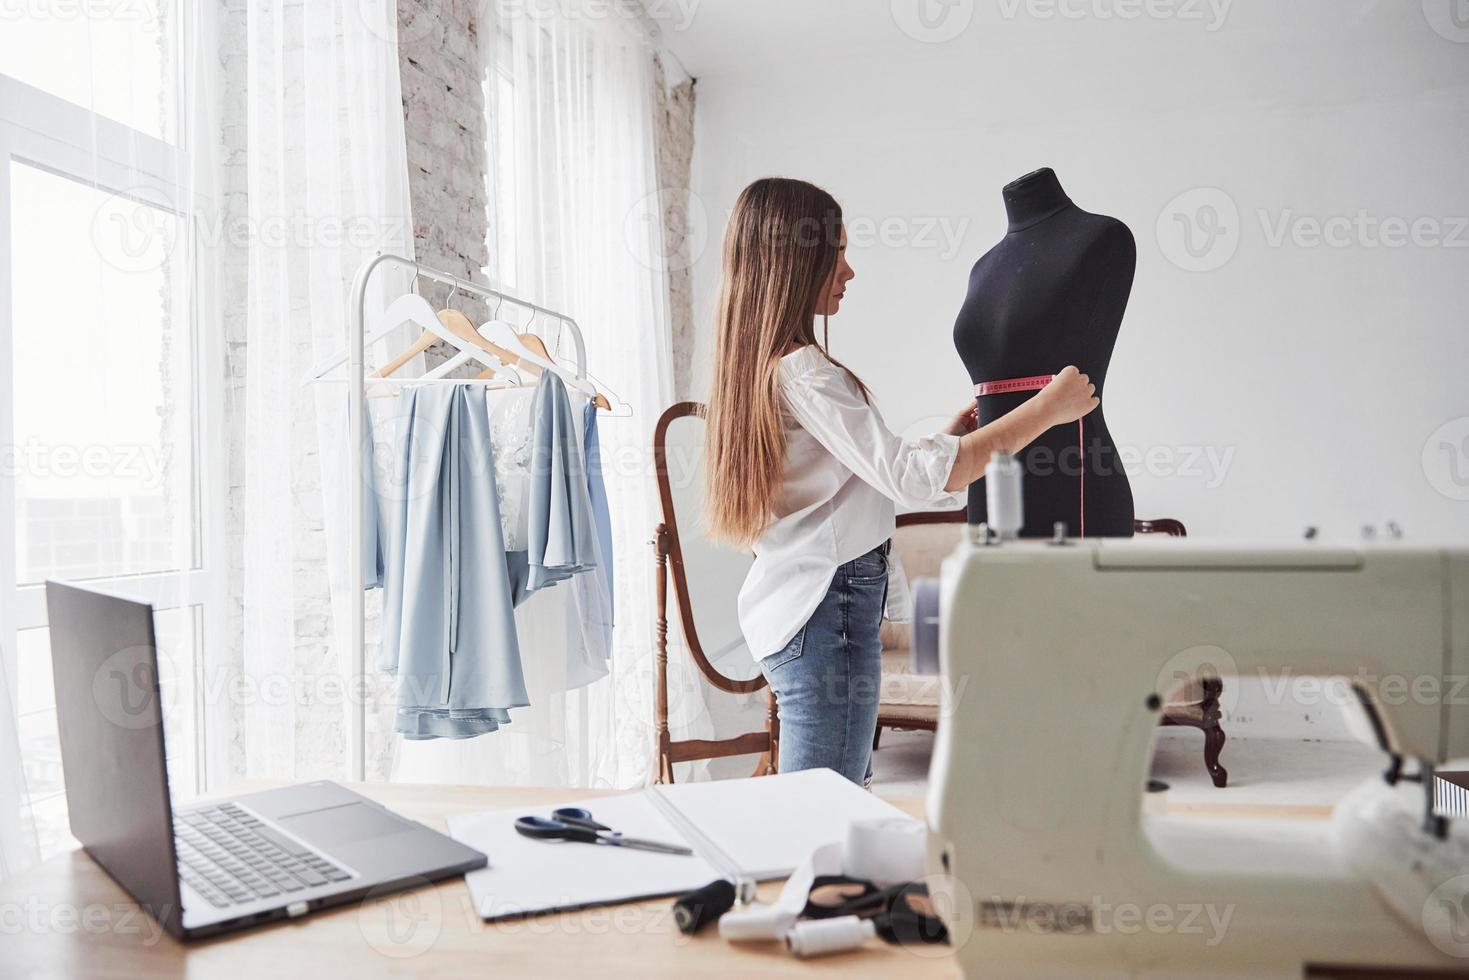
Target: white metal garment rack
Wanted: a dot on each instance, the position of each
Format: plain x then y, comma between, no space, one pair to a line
357,377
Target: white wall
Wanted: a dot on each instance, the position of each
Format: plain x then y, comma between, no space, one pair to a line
1314,376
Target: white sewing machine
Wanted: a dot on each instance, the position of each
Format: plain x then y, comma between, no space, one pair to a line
1055,657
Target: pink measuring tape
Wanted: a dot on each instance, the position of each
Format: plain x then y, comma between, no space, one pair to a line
1036,383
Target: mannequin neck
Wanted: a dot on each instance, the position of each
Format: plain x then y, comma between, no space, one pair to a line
1033,198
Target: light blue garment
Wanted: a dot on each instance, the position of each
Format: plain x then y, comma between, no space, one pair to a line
597,492
448,623
561,537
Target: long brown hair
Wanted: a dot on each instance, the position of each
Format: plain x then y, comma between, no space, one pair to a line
780,251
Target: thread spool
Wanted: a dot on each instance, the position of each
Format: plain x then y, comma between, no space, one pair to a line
1005,508
758,922
886,851
698,908
822,937
924,648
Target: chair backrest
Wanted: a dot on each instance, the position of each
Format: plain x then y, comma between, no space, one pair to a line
706,576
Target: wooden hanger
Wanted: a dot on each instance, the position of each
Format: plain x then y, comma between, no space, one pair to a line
533,345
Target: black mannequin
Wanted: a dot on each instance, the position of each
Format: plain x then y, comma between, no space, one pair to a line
1052,293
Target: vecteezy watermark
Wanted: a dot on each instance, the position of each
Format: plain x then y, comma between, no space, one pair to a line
1199,230
1362,230
941,234
1210,13
1448,18
1446,916
1095,916
674,15
402,924
1446,459
136,230
1340,690
1192,666
933,21
145,466
96,919
1207,465
130,691
142,12
667,246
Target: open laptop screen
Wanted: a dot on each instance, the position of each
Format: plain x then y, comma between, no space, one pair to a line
108,714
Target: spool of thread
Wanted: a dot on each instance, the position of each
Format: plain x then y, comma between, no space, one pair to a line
698,908
821,937
1005,508
886,851
755,923
925,630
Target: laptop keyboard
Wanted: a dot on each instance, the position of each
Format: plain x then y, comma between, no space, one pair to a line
231,858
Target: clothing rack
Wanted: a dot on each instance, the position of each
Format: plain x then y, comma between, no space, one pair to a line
356,425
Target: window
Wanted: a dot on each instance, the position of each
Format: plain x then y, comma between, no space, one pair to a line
109,57
103,460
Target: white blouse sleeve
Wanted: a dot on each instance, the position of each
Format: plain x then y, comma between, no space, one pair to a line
911,472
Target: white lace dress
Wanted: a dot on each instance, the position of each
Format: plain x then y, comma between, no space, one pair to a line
511,434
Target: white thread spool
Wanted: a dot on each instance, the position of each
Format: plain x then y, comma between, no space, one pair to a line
887,851
1002,493
820,937
755,923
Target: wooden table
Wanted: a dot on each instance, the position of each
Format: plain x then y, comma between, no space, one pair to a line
67,919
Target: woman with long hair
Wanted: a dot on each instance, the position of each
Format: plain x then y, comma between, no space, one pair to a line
802,470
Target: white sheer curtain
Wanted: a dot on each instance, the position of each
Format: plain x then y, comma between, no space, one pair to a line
108,222
571,97
327,188
19,847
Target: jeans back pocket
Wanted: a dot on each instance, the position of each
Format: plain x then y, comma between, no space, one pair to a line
786,654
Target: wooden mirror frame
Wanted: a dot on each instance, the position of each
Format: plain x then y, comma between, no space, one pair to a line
669,555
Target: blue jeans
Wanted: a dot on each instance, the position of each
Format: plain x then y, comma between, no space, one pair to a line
827,679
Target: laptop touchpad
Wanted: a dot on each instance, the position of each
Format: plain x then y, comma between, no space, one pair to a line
345,824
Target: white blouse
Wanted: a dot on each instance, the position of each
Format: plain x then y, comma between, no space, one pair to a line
846,474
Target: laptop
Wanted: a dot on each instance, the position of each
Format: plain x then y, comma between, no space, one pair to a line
205,869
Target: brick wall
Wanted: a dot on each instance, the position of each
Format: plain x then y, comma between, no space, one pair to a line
445,128
681,227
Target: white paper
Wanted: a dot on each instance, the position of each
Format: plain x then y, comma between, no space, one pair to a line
526,875
768,825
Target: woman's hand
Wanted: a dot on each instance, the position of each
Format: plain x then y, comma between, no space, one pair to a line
1068,397
965,420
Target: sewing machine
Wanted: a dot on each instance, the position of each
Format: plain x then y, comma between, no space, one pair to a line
1056,656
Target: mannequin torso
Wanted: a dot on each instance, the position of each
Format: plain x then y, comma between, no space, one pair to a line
1052,293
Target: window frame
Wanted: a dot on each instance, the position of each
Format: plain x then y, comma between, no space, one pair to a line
41,130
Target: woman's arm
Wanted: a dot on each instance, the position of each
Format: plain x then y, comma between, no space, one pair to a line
1068,397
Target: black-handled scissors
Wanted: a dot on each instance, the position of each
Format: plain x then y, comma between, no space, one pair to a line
572,823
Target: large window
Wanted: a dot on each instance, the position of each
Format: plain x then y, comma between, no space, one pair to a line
103,463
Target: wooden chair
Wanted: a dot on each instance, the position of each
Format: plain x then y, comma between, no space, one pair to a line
911,702
669,555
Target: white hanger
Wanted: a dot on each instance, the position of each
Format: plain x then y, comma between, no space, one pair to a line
469,352
408,308
502,334
498,369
